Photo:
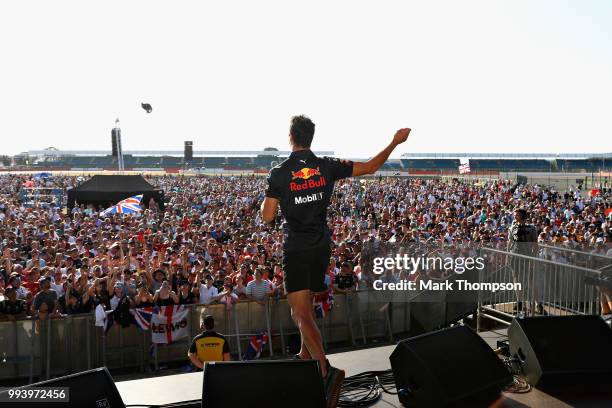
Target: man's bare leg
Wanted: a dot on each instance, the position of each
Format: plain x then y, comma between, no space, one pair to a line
606,303
304,354
302,313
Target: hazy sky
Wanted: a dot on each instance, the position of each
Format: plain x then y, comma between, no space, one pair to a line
486,76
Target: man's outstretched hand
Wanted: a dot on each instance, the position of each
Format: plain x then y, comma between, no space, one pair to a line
372,165
401,136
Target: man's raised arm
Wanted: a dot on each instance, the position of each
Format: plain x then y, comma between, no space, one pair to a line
369,167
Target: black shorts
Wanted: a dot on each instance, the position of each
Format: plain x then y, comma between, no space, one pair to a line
305,269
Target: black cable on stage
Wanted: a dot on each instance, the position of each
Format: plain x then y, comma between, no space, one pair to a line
519,383
364,389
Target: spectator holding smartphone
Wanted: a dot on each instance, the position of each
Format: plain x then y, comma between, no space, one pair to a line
165,296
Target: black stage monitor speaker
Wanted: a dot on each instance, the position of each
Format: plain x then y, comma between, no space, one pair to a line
88,389
277,383
448,368
559,350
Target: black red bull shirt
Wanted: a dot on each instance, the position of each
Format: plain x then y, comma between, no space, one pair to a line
304,184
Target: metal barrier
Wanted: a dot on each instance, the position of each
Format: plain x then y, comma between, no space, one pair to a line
35,349
562,254
548,287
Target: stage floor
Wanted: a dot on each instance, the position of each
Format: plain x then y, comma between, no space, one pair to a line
174,388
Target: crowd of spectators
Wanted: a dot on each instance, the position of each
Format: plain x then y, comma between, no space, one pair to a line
210,245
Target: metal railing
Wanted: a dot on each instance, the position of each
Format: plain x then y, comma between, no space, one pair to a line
547,287
563,254
35,349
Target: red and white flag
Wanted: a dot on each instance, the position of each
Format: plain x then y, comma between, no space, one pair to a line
594,192
170,324
464,166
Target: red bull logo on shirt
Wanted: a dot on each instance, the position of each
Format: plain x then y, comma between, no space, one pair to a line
305,174
307,184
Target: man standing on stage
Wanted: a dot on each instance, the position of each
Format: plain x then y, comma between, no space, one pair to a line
303,185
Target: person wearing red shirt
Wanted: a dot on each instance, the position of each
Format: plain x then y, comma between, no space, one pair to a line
246,277
31,283
185,222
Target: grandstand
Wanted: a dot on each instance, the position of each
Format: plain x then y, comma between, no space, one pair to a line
53,159
430,164
413,163
490,163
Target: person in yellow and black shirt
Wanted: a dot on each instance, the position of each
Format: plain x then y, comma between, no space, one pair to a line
208,345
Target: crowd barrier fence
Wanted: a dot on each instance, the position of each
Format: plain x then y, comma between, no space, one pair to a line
35,349
548,287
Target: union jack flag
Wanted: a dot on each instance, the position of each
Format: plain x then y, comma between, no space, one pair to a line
323,303
255,347
128,206
464,167
142,316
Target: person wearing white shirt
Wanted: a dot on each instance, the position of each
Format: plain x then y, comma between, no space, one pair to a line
208,293
57,283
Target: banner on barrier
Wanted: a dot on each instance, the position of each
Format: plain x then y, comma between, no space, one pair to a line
170,324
